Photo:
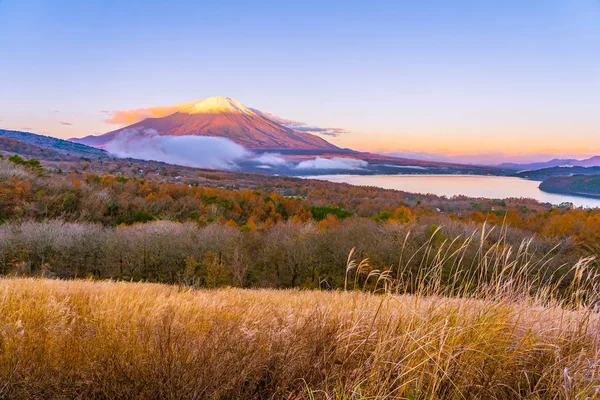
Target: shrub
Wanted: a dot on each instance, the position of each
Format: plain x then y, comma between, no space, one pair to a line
320,213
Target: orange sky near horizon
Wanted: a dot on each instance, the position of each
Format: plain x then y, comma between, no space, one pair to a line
512,140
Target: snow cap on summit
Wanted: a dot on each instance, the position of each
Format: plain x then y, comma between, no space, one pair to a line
214,104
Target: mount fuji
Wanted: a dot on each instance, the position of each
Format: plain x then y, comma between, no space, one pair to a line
220,117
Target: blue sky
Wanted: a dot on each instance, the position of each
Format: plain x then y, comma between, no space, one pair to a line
457,77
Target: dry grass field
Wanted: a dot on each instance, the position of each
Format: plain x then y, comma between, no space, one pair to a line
86,339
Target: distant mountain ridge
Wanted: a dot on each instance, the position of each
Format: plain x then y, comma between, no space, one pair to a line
219,117
545,173
557,162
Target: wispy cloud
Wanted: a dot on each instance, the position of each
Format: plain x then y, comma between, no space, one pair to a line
319,131
128,117
65,123
301,126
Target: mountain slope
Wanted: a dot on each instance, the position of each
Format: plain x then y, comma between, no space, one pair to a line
218,117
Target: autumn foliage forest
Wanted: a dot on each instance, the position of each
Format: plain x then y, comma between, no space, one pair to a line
162,223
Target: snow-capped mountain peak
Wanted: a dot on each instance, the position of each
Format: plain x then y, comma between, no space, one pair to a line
217,117
214,105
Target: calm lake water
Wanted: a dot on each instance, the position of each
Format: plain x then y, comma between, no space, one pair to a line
492,187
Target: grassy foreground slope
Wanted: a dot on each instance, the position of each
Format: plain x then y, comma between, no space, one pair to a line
84,339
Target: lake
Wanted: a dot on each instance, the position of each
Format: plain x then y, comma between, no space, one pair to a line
492,187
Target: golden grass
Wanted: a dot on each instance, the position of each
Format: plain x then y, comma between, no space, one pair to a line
84,339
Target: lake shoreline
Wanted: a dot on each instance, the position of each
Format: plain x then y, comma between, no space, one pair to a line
467,185
569,193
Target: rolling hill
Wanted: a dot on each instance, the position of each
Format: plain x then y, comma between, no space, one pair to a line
579,185
46,147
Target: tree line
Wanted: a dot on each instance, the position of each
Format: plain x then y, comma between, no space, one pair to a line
285,255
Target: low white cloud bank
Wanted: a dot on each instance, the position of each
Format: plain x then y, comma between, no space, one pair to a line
333,163
271,159
190,151
210,152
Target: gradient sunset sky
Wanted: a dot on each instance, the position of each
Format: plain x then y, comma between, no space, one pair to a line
455,77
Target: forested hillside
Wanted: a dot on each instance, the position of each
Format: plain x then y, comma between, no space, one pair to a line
583,185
